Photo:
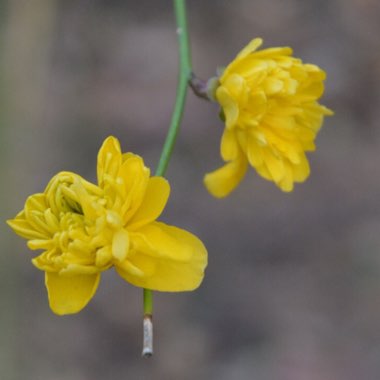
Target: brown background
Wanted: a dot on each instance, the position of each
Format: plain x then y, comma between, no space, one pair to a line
292,289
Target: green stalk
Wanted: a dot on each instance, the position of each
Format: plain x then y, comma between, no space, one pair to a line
184,76
167,150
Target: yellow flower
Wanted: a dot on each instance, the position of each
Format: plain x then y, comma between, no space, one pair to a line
84,229
270,104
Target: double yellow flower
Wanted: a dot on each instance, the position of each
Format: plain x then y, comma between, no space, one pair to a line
84,229
269,100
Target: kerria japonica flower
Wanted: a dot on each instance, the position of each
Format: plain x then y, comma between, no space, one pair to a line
84,229
269,101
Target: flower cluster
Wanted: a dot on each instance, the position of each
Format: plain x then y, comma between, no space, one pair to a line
269,101
84,229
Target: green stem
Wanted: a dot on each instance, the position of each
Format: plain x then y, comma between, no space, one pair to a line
148,302
184,76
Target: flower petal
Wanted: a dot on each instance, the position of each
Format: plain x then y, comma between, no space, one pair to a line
155,198
23,228
70,294
109,158
225,179
255,152
120,244
275,165
157,240
302,170
235,85
230,107
171,260
250,48
134,176
241,57
229,146
274,53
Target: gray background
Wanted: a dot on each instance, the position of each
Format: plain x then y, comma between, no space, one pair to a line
292,289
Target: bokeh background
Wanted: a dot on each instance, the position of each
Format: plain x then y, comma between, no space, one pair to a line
292,291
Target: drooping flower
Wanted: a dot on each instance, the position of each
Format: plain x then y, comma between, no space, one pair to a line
84,229
269,101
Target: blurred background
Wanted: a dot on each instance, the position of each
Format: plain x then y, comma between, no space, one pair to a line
292,291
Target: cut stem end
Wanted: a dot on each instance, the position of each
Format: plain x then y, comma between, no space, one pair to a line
147,351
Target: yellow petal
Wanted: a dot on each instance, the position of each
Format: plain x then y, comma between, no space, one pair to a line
287,182
225,179
120,244
250,48
25,230
70,294
302,170
273,85
241,57
274,165
103,256
229,147
153,203
230,107
254,152
234,84
257,102
78,270
178,266
311,92
35,202
135,177
263,172
109,158
127,267
273,52
157,240
85,200
45,244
